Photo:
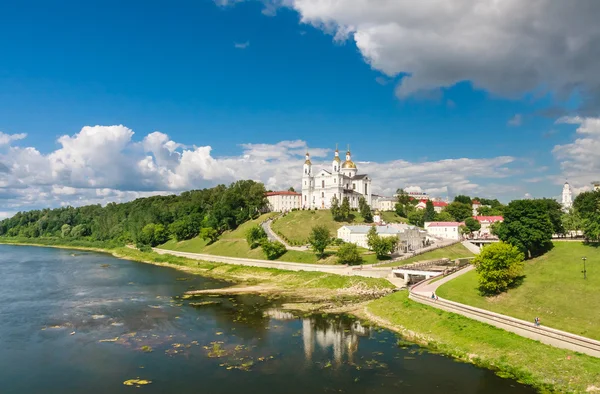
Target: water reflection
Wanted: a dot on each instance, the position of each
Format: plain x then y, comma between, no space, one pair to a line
336,334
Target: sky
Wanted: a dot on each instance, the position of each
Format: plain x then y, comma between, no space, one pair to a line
109,101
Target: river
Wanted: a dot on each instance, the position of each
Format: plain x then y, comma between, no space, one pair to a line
82,322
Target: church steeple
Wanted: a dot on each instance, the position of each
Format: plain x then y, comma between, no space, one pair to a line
307,165
335,164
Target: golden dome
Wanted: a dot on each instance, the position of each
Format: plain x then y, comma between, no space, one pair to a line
349,164
337,158
308,162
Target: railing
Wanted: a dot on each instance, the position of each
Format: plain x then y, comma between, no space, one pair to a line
546,335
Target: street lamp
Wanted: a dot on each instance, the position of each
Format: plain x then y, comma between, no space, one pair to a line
584,271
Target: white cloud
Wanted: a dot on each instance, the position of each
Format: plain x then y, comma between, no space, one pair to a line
580,159
6,139
103,163
508,47
516,120
242,45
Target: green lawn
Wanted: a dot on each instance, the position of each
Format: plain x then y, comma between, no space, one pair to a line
553,289
296,225
511,355
452,252
392,217
233,244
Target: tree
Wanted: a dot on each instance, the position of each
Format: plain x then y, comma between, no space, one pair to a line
463,199
459,211
555,213
498,266
291,189
527,226
382,246
472,224
572,222
319,239
348,254
255,235
209,234
403,200
416,217
443,217
153,234
273,249
489,211
587,206
365,210
65,230
186,228
429,214
345,209
335,209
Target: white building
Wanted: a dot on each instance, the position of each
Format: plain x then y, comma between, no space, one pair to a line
596,186
567,197
447,230
283,201
409,237
486,224
438,206
341,181
383,203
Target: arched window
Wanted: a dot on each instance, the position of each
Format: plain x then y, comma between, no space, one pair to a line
323,184
322,194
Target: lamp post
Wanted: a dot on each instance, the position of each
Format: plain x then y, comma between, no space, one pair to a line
584,271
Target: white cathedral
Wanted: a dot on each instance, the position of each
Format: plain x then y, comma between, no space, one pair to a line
342,181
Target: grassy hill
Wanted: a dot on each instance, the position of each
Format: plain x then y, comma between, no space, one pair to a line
233,244
452,252
553,289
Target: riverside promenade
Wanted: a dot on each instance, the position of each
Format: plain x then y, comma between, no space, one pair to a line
421,292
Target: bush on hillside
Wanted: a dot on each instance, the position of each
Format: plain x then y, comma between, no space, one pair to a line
499,266
255,235
348,254
319,239
273,249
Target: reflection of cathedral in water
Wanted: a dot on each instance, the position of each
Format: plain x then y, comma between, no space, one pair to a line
343,338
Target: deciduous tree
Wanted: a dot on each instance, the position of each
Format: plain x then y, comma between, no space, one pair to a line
273,249
459,211
319,239
348,254
498,266
429,214
255,235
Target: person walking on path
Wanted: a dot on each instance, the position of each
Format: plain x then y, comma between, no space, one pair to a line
536,321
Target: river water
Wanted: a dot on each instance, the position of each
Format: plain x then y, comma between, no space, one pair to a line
79,322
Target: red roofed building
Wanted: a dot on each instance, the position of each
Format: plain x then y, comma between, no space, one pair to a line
283,201
486,224
439,206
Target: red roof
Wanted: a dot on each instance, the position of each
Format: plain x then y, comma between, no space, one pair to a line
440,204
475,202
444,224
489,218
282,193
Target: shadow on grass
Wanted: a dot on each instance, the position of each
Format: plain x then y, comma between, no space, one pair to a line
516,283
591,244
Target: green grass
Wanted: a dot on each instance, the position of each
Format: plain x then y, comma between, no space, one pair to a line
297,225
452,252
233,244
553,289
510,355
392,217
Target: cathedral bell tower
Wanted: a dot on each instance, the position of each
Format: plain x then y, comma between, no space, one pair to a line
336,163
307,183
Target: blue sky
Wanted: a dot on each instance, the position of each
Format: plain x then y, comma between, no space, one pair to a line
243,76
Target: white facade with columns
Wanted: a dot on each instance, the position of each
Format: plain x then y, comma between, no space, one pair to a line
341,180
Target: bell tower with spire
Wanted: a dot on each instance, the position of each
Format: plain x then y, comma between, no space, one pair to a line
337,162
307,183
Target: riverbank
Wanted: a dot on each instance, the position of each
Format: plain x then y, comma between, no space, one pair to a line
546,368
323,290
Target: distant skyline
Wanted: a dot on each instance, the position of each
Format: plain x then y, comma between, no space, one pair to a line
110,101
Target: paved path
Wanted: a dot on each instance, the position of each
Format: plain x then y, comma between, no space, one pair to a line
473,248
561,339
266,225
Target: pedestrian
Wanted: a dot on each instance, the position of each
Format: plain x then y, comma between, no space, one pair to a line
436,297
433,296
536,321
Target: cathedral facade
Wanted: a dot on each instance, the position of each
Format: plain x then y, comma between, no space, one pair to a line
341,180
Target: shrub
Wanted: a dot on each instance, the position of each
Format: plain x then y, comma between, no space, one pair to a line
273,249
255,235
499,266
348,254
209,234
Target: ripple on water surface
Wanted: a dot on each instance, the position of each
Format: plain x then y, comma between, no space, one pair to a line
90,322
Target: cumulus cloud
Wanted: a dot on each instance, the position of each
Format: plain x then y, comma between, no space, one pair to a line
580,159
103,163
507,47
6,139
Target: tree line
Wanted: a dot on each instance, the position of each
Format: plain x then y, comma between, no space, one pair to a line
148,221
